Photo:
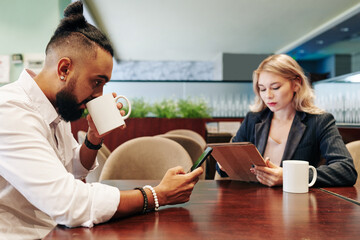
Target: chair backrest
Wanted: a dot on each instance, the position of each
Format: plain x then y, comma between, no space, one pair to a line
190,145
104,150
145,158
190,133
354,149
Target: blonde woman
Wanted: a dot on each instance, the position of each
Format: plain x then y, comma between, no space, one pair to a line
285,124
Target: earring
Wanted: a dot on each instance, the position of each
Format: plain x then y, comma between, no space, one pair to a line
62,77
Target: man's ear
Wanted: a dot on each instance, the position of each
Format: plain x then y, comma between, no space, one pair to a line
63,68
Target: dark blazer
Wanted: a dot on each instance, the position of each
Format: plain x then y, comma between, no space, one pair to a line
311,138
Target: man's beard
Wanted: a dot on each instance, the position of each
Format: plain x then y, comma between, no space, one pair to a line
67,105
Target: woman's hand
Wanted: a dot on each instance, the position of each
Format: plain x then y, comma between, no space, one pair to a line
271,175
176,186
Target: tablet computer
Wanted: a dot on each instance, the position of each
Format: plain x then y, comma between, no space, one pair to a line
237,159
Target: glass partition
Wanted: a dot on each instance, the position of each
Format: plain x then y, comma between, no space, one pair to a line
341,97
226,99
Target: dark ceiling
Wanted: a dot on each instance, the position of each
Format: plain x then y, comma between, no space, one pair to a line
343,38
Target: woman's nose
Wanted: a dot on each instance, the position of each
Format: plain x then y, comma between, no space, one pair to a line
269,94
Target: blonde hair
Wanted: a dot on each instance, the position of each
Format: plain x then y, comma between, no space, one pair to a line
286,67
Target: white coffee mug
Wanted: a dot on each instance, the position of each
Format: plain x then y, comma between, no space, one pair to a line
105,114
296,176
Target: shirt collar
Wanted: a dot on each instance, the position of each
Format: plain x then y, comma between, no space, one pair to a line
38,98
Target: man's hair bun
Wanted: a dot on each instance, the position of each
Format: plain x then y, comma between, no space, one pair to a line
75,22
75,8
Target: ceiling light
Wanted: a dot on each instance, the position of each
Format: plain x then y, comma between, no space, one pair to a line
344,29
320,42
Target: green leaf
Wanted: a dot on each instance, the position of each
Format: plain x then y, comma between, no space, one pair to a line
167,108
139,108
198,108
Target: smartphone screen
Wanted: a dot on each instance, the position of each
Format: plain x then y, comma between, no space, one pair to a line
201,159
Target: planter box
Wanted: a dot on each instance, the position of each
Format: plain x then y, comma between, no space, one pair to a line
139,127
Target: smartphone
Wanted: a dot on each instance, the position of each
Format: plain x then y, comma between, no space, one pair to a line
201,159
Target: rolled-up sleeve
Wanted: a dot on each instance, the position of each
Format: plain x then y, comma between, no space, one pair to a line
77,169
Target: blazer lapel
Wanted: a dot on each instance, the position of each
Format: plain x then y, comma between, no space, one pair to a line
296,132
262,132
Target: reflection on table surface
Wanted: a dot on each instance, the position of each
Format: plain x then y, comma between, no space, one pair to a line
348,193
233,210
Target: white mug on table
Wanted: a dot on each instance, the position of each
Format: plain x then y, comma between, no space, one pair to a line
296,176
105,114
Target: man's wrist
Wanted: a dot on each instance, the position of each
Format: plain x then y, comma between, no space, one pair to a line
91,145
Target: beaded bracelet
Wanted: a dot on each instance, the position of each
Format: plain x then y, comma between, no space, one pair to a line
145,199
154,195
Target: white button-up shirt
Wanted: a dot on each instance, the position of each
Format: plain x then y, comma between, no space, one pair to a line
40,168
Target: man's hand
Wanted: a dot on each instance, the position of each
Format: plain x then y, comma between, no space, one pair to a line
93,135
176,186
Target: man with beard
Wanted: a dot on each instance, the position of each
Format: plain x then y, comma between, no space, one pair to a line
41,164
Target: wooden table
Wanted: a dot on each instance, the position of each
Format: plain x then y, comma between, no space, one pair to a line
351,194
233,210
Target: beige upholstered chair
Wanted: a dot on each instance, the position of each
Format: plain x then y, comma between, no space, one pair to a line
101,156
354,149
145,158
189,133
193,148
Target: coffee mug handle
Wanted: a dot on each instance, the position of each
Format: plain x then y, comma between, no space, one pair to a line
314,176
128,103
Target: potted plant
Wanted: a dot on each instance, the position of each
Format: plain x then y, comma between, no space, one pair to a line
167,108
189,108
139,108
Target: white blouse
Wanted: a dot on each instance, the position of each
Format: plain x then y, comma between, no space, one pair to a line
274,151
